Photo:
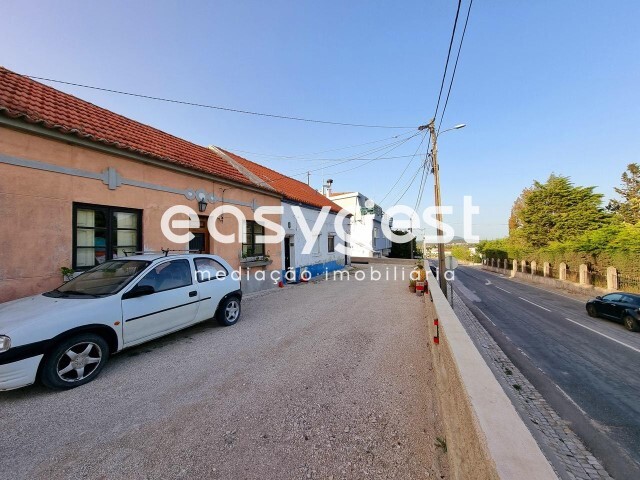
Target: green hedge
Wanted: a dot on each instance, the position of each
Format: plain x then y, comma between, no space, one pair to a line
616,245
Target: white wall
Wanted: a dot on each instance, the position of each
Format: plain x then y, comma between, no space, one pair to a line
320,253
363,228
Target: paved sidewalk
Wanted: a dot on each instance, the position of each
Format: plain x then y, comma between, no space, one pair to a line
567,454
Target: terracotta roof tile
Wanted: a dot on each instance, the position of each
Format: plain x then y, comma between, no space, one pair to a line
33,102
288,187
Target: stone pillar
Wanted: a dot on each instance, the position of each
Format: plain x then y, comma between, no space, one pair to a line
523,265
612,278
583,270
515,265
562,271
546,269
534,267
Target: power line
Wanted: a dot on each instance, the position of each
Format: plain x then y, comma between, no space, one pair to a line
423,182
421,186
337,159
425,172
373,159
410,183
201,105
395,157
455,66
398,143
404,171
388,148
310,155
361,155
446,65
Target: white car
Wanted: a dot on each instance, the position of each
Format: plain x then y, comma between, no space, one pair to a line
65,336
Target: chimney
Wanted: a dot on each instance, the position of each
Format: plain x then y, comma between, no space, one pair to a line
327,187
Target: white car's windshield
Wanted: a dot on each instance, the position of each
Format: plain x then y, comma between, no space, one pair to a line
104,279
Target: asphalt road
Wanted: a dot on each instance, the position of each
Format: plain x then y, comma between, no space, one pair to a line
326,380
587,369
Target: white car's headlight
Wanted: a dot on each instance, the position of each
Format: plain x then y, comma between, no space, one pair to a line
5,343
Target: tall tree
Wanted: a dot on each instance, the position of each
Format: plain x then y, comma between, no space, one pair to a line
515,219
629,207
515,222
558,211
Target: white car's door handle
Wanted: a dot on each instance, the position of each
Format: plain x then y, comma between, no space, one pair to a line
193,293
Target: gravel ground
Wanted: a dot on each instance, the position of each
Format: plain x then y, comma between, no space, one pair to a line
326,380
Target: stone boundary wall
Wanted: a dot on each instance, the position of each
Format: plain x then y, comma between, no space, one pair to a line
553,282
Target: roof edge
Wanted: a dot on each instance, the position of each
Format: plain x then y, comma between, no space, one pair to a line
345,195
244,170
42,131
299,203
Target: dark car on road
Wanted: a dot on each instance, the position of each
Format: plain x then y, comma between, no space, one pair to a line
434,270
622,307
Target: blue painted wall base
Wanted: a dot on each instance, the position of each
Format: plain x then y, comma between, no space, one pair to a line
314,270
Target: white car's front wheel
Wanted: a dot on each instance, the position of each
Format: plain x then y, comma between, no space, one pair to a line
229,311
75,361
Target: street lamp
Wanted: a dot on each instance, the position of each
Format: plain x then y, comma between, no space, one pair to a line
436,178
456,127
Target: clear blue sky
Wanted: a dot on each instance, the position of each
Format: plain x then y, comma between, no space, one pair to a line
544,86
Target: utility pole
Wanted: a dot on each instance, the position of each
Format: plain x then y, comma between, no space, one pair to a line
411,241
308,178
436,178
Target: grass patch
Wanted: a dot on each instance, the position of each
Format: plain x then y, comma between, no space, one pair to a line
441,443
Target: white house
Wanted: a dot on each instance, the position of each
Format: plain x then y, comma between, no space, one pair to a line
301,203
367,238
324,257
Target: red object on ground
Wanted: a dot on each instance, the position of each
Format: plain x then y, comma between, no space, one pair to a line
436,339
280,284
